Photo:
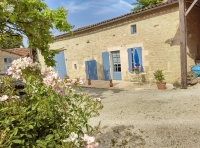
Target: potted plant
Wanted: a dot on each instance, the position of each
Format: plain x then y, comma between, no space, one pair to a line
66,79
159,77
137,69
75,83
89,81
111,83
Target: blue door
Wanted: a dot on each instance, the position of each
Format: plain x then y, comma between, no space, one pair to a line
116,65
60,64
106,65
91,69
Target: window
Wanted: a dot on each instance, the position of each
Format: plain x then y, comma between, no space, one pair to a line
133,29
135,58
116,62
7,60
6,68
75,66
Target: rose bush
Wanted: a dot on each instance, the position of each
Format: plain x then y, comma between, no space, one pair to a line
50,114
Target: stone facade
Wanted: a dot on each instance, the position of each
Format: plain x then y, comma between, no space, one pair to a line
157,34
6,54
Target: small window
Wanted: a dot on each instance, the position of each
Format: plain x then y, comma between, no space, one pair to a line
75,66
6,68
7,60
133,29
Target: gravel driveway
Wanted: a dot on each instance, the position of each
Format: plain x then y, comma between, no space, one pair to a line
148,118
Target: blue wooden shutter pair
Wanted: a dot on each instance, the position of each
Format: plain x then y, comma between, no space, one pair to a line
135,58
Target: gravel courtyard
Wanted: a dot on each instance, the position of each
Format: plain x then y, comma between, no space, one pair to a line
148,118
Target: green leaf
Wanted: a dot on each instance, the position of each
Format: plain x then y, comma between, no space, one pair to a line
50,114
15,131
12,18
17,141
58,146
41,145
29,136
30,126
49,137
35,106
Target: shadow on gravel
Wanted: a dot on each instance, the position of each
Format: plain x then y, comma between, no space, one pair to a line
98,92
119,137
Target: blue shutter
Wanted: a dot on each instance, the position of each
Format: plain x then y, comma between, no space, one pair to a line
106,65
130,58
60,64
139,51
91,69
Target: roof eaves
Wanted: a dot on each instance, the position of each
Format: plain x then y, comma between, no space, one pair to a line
5,50
118,18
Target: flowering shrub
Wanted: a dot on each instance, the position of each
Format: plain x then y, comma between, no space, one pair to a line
136,68
50,114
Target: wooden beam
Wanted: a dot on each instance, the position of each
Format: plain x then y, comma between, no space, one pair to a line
191,6
183,43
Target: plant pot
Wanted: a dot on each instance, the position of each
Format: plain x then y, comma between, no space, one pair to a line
111,84
75,84
89,82
161,85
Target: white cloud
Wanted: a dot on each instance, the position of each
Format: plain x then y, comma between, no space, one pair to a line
118,6
97,6
73,7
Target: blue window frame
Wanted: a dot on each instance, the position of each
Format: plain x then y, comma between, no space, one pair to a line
133,29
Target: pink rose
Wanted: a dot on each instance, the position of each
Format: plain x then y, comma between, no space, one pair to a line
2,135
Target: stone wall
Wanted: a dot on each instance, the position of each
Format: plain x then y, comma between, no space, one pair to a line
155,28
4,54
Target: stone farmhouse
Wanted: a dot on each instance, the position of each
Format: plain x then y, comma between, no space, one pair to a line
148,38
8,55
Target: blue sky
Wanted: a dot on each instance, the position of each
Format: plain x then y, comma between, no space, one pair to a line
87,12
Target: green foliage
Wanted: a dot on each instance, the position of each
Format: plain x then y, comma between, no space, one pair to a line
140,4
33,19
12,42
158,75
43,118
177,84
7,85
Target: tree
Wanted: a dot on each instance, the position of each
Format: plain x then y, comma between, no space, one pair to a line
11,43
140,4
33,19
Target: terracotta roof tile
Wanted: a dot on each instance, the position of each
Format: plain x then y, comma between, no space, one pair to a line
169,2
4,50
23,52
